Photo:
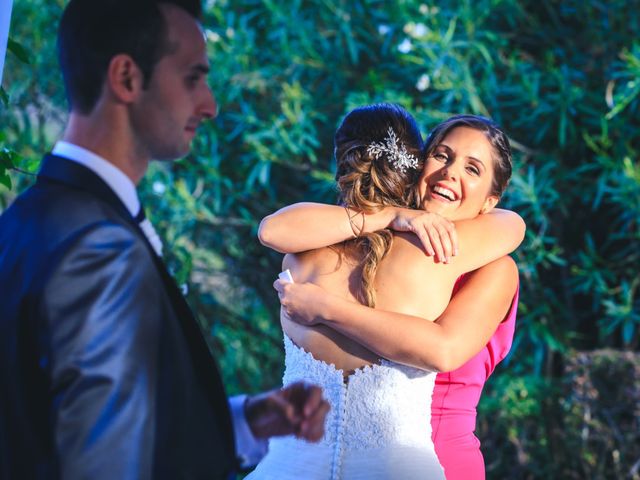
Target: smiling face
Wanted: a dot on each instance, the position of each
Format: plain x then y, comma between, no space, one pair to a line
457,177
178,98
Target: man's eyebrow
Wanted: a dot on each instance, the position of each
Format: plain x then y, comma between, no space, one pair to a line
202,68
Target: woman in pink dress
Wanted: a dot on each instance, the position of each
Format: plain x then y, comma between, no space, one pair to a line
457,393
475,330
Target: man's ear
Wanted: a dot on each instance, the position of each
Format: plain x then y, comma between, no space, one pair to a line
489,203
124,78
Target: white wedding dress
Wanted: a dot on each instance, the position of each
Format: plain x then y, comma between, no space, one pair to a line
378,428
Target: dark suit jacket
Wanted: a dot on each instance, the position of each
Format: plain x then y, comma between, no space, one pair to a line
104,372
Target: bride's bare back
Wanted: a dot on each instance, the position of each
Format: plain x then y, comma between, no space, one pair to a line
407,281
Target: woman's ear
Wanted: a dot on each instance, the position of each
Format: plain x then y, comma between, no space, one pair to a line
124,78
489,203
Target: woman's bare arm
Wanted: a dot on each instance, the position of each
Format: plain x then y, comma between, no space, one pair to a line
307,226
486,238
457,335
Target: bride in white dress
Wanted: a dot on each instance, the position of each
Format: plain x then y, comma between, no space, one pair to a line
379,426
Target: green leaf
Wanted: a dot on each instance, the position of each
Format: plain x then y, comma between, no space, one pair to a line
4,98
8,158
5,179
632,91
628,329
19,51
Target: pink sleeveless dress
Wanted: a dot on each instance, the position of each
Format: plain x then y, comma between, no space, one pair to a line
455,398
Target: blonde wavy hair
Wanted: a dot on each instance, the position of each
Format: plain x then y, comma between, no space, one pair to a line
368,182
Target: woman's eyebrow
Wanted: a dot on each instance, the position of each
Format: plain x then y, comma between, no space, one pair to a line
445,146
477,160
470,157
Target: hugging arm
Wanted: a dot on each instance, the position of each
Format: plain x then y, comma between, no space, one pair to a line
306,226
486,238
462,330
325,225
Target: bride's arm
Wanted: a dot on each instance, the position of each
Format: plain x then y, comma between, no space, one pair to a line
457,335
306,226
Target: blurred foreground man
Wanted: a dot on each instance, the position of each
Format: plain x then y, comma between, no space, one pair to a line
104,372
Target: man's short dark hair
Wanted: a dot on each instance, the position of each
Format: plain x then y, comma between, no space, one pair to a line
92,32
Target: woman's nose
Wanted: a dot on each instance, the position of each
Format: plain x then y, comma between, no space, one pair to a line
449,172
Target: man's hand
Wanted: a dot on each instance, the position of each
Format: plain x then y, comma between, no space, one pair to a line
437,234
298,409
304,303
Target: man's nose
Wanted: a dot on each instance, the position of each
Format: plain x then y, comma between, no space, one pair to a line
209,107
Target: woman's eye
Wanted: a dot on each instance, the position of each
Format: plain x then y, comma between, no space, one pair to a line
440,156
473,169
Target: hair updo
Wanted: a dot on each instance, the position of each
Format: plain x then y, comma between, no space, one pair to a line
367,181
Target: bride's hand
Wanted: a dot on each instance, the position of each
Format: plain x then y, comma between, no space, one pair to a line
436,233
302,302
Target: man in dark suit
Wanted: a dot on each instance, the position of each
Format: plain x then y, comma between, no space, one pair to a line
104,372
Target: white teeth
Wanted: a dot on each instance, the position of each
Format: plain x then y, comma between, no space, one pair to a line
445,192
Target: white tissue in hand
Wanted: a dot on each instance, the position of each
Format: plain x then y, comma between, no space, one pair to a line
286,276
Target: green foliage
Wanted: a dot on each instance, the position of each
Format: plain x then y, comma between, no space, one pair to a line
4,98
585,425
7,163
602,414
563,78
9,159
19,51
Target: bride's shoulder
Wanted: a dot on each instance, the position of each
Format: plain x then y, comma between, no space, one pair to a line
305,265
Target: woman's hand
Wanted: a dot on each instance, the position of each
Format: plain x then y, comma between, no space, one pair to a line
304,303
436,233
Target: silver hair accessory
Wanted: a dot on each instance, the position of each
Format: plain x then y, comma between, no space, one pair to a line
396,152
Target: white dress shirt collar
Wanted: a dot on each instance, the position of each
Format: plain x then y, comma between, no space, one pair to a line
121,185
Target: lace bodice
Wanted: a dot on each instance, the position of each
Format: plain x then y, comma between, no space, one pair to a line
379,425
376,405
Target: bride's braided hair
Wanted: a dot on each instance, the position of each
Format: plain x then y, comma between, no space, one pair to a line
368,182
